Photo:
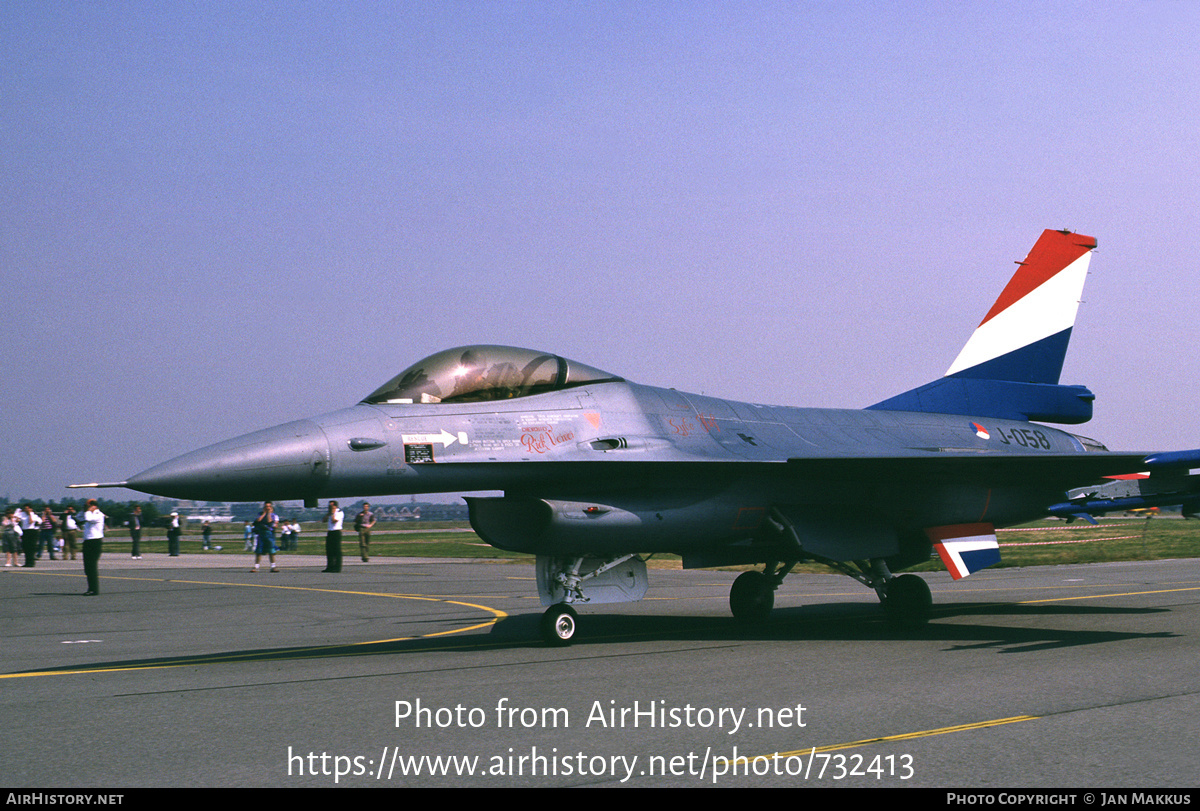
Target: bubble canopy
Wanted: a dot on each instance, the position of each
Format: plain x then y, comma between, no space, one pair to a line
474,374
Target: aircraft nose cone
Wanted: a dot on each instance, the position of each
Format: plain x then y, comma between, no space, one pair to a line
289,461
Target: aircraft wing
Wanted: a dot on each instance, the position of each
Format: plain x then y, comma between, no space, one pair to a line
973,467
1061,472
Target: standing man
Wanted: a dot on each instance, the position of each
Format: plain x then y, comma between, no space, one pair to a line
264,528
135,532
93,538
48,538
30,533
70,527
333,539
174,531
363,523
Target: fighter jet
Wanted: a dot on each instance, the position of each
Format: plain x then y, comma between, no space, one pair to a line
598,472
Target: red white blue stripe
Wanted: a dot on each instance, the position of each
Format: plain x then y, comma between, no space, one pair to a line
965,548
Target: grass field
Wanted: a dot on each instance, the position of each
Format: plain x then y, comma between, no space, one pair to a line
1044,543
1037,544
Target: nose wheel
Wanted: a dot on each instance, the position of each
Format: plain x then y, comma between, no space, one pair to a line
558,625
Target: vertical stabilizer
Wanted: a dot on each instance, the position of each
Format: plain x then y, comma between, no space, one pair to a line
1011,364
1024,336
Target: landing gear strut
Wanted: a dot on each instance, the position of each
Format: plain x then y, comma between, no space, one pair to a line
906,599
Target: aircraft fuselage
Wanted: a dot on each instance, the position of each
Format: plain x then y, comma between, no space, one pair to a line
672,470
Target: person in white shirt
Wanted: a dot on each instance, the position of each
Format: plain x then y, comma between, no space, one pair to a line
93,539
30,533
333,538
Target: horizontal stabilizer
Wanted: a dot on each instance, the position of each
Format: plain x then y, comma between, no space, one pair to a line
998,399
965,548
1173,459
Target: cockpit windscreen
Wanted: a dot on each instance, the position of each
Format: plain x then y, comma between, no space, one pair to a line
472,374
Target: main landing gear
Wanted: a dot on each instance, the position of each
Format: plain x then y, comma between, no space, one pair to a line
906,599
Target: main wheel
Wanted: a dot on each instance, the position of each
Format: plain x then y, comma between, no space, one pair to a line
558,625
908,602
751,598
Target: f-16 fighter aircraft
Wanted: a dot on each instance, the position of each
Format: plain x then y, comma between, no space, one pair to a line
598,472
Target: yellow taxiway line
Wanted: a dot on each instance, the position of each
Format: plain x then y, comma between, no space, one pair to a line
496,613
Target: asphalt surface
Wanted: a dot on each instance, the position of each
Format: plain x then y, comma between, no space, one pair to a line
194,671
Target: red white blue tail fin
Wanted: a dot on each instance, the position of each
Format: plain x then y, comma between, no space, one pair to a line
1009,369
965,548
1024,336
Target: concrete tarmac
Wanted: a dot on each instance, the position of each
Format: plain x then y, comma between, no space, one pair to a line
194,671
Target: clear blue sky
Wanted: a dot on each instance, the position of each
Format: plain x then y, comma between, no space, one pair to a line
217,217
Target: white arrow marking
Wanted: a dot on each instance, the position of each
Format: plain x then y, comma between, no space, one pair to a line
445,438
